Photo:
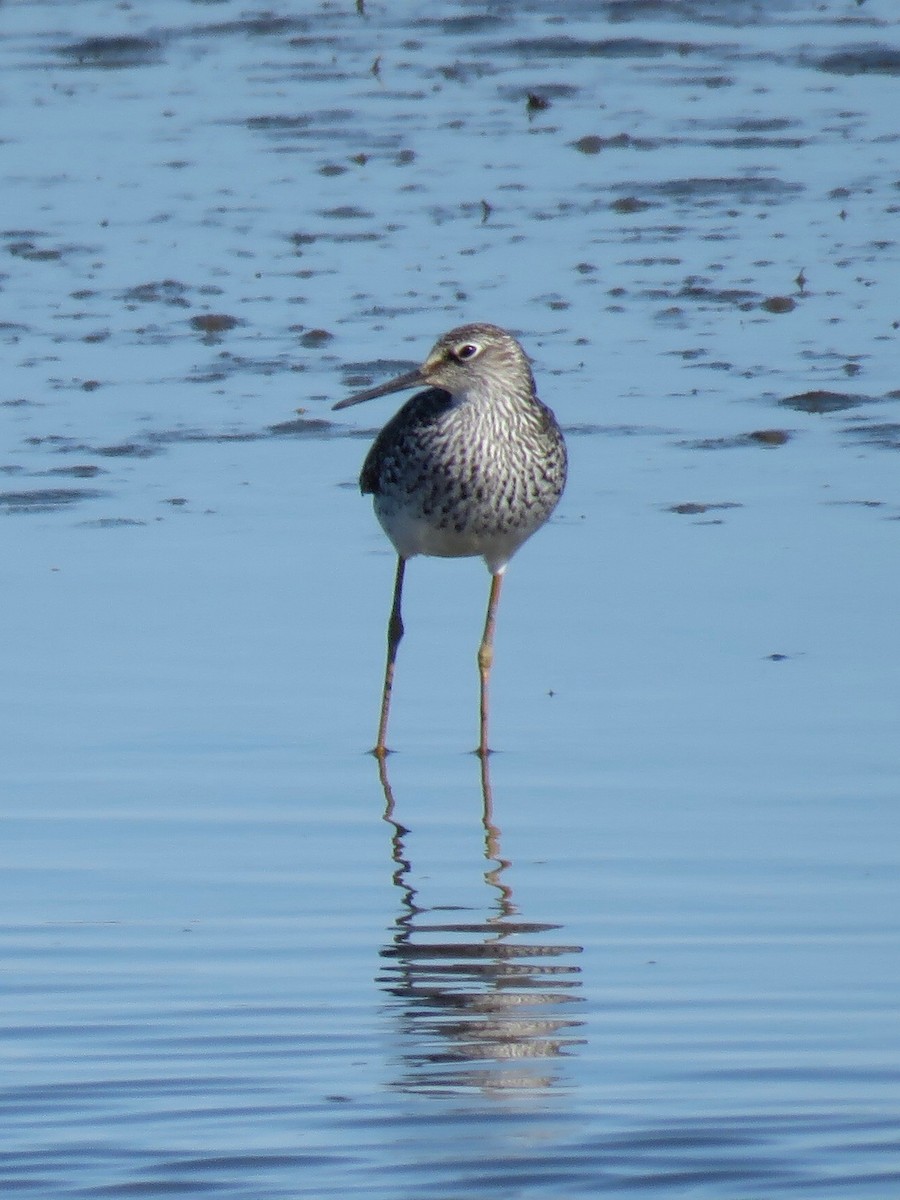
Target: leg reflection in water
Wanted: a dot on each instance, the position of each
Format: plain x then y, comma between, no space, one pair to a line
482,1003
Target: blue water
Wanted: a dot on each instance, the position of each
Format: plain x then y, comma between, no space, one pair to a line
655,947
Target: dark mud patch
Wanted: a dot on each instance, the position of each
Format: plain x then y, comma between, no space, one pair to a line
126,450
31,252
627,205
538,99
170,292
345,237
357,376
29,248
563,47
702,293
695,508
627,431
46,499
885,434
779,304
279,124
267,24
213,324
174,437
347,212
312,339
289,128
227,366
751,133
58,443
710,190
110,523
462,25
147,445
766,438
862,60
824,401
593,143
296,427
112,53
81,471
302,427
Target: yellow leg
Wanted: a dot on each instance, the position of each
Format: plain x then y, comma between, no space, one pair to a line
486,658
394,634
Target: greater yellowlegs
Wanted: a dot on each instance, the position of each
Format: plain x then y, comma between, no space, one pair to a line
472,466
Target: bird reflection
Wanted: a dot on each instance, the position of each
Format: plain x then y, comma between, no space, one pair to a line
482,1004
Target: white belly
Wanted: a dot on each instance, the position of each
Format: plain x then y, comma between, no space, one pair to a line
412,535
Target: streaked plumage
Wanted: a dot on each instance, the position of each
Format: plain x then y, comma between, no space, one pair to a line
474,465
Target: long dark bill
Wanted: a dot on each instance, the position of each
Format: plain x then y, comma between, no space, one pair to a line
401,384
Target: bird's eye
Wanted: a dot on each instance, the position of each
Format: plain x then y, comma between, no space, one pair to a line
467,350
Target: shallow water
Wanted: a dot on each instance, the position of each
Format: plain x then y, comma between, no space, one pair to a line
656,948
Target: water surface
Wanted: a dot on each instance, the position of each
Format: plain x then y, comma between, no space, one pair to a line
654,949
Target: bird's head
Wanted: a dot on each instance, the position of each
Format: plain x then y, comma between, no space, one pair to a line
468,359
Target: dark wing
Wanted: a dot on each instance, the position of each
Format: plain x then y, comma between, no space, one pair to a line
401,434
